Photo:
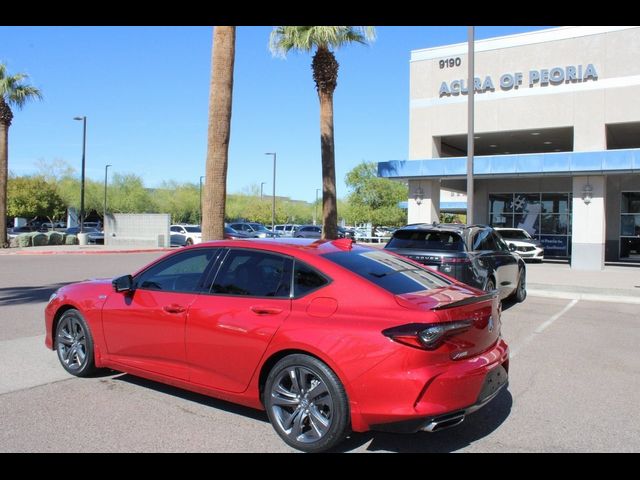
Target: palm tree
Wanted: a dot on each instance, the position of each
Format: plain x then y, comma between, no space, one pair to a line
215,190
325,74
12,93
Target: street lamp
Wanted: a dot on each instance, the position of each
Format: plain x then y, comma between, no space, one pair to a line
315,215
273,201
261,185
200,216
104,219
84,147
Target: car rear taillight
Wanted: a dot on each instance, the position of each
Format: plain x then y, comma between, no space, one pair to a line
427,336
456,260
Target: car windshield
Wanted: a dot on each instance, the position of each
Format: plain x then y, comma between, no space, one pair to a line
394,274
193,229
515,234
427,240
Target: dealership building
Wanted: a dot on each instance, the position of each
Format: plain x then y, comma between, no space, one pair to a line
557,138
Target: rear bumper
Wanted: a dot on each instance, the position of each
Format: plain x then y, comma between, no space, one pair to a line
495,382
402,394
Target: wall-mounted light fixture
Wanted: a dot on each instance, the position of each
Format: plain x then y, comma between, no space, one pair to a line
587,193
418,195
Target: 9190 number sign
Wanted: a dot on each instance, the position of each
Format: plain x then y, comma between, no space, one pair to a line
450,62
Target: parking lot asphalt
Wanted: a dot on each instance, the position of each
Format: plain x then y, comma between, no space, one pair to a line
573,383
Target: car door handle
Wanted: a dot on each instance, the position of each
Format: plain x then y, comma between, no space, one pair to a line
173,308
265,310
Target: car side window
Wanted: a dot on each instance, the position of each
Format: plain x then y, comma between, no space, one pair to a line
175,229
502,246
306,279
179,273
254,274
483,241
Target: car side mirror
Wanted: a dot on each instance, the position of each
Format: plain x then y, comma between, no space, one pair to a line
123,284
512,247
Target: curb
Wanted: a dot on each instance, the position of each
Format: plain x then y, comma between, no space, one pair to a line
594,297
89,252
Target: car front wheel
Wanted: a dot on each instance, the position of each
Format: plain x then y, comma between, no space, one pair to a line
74,344
306,403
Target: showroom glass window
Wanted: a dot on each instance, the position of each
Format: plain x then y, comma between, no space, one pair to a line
546,216
630,226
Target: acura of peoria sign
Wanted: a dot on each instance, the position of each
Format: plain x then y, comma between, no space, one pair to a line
513,81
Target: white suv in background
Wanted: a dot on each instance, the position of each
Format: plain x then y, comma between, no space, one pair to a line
525,245
185,235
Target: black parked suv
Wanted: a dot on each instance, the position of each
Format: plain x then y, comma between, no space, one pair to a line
474,254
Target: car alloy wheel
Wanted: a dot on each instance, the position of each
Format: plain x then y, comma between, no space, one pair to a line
74,344
521,289
306,403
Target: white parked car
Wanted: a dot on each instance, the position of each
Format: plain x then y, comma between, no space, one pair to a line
525,245
287,229
185,235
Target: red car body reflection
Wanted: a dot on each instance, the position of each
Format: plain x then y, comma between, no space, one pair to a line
410,360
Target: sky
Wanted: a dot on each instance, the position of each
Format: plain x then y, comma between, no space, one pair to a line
145,93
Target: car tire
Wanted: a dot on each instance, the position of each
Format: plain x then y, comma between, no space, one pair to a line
490,285
188,243
308,421
74,344
521,290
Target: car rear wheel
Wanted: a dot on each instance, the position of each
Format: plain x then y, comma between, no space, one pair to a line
521,290
74,344
189,242
306,403
490,286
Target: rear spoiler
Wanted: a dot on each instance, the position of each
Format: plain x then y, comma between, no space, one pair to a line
468,301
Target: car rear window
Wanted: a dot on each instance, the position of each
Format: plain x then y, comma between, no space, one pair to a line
390,272
427,240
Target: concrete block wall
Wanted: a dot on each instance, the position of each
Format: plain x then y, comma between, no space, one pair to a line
137,229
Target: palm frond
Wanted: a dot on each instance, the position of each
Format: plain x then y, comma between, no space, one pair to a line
13,91
305,38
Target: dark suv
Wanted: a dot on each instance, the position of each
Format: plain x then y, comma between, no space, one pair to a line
474,254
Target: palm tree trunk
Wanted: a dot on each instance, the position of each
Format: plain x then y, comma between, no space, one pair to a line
4,174
220,97
329,202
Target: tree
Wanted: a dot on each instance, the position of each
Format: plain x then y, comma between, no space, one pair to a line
325,74
13,93
374,199
31,197
220,98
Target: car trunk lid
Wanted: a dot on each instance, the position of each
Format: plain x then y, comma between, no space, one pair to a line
456,303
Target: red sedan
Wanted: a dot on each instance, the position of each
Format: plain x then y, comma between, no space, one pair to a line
325,336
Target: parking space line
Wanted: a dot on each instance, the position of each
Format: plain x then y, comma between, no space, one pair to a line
543,326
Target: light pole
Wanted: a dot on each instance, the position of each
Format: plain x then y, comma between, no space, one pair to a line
84,147
273,201
315,215
470,125
261,185
104,218
200,212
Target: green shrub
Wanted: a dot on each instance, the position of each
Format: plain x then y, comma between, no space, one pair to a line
40,240
71,240
55,238
25,240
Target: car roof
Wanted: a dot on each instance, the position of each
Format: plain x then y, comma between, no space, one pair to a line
290,246
441,227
